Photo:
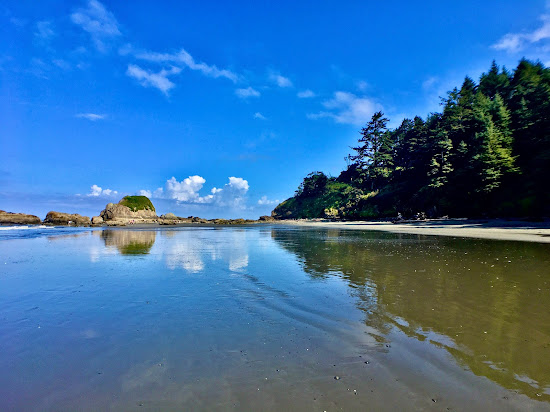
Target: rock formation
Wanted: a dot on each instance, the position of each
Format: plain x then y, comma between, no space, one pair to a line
141,210
66,219
7,218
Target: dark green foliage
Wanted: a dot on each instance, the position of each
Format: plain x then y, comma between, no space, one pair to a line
136,203
486,154
314,184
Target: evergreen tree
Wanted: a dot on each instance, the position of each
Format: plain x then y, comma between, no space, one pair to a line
375,153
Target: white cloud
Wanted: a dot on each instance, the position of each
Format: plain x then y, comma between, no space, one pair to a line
182,57
91,116
248,92
44,30
238,183
232,194
265,201
157,80
185,191
348,108
259,116
279,80
306,94
98,22
96,191
515,42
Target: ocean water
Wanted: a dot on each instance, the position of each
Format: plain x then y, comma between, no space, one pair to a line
270,317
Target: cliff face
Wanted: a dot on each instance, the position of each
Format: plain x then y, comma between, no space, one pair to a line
59,218
18,219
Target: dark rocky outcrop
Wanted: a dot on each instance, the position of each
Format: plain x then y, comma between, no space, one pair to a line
267,219
66,219
7,218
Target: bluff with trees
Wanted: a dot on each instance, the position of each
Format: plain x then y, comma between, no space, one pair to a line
487,154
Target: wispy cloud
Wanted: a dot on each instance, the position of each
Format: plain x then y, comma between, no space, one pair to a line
91,116
515,42
246,93
99,22
184,58
279,80
44,30
17,22
265,201
305,94
362,85
430,82
259,116
158,80
96,191
348,108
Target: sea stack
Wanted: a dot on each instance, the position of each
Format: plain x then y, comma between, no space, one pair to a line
130,209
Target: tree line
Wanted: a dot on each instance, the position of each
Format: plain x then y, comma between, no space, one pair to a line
487,153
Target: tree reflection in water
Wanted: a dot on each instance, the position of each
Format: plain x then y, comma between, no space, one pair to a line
485,302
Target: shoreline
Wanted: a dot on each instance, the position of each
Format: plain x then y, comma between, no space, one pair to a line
494,229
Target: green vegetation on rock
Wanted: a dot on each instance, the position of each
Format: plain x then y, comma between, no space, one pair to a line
136,203
487,154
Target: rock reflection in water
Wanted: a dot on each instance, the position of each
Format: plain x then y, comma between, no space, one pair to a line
129,242
485,302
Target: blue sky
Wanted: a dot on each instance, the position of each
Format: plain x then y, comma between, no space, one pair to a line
219,109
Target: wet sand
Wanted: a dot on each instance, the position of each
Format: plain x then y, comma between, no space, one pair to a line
495,229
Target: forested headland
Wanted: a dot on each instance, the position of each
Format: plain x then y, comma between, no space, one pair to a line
487,154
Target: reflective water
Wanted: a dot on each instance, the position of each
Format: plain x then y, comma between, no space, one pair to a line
269,318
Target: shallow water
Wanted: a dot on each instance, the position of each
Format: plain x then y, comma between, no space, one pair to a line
271,318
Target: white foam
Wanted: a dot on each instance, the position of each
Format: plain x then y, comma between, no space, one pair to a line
25,227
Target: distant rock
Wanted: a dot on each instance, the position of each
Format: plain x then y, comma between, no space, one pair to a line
66,219
232,221
267,219
97,220
18,219
169,216
130,209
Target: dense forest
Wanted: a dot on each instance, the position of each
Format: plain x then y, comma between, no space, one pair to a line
487,154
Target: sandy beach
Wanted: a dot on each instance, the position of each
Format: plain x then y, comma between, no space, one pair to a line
497,229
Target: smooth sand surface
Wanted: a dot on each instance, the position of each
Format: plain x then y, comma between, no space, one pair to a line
497,229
